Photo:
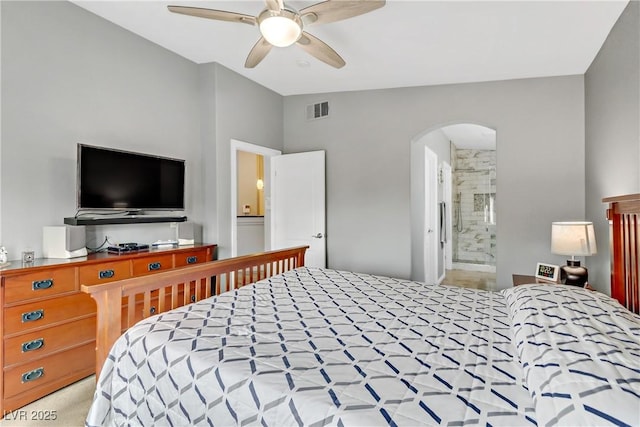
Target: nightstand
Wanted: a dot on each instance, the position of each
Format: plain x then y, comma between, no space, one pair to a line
523,279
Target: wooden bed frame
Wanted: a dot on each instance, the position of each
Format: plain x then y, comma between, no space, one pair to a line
624,219
123,303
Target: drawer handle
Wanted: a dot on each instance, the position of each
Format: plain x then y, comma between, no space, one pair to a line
32,345
32,375
41,284
154,266
152,310
193,298
192,259
106,274
32,316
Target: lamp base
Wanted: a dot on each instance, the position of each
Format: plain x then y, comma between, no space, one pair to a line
574,274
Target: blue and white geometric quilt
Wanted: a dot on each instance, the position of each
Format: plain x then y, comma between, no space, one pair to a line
316,347
580,352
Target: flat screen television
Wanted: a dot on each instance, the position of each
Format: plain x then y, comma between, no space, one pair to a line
123,180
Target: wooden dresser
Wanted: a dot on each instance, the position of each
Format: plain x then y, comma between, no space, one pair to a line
49,325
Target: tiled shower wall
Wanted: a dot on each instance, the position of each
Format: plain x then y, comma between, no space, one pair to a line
474,221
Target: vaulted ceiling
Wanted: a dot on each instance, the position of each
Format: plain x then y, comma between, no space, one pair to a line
405,43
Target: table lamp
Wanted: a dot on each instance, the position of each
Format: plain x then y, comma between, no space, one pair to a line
575,238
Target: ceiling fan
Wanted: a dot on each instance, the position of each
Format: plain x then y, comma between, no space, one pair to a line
281,25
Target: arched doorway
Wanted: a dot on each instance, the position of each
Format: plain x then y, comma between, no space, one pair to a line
463,223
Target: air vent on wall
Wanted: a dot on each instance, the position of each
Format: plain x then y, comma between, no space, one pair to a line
318,111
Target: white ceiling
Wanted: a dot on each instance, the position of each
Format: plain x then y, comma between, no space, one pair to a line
470,136
405,43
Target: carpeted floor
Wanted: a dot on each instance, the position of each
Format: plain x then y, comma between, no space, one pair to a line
71,405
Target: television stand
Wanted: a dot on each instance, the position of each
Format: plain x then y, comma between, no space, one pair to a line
125,219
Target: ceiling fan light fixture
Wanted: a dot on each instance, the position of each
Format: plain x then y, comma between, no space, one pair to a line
281,25
280,29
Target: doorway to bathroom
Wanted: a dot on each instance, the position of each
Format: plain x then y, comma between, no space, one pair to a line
473,204
454,206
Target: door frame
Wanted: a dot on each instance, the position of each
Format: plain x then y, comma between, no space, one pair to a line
267,153
448,197
430,226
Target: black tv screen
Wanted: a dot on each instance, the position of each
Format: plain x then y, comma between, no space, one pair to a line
114,179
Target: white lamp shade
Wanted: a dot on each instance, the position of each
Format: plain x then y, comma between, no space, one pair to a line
575,238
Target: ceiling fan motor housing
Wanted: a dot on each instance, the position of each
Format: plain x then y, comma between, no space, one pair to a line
281,28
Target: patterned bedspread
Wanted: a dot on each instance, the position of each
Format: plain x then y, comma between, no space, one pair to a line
580,351
320,347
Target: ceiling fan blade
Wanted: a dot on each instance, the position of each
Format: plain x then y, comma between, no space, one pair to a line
319,49
337,10
219,15
257,53
275,5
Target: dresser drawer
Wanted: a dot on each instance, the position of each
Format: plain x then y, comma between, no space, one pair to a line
39,284
26,317
33,345
33,374
191,257
152,264
104,272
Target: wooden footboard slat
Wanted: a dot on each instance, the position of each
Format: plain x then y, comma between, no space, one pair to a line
174,295
161,300
131,310
218,284
187,293
207,287
140,293
147,303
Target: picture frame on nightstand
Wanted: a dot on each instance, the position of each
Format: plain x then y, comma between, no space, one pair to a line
547,272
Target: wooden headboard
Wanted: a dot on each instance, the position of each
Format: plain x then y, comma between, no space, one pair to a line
624,219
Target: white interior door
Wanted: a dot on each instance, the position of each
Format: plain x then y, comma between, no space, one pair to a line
298,204
431,216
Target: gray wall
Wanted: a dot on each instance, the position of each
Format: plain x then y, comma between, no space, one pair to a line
612,109
245,111
540,151
68,77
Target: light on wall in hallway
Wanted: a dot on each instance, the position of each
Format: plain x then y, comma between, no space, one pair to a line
260,183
